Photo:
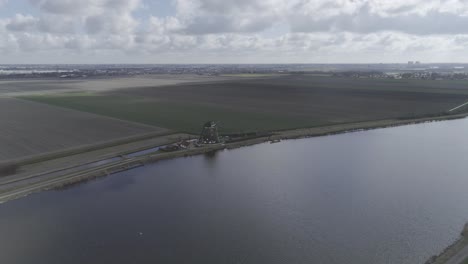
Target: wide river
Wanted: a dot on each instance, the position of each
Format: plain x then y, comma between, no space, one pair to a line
395,195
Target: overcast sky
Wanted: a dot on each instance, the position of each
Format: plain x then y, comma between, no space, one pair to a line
233,31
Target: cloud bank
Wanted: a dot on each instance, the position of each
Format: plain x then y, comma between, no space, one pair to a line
247,31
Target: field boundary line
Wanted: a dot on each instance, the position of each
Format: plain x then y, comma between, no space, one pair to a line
460,106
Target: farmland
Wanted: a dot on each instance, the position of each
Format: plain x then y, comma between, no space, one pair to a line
29,128
50,86
271,103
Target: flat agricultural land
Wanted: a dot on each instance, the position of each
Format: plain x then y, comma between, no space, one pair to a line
29,128
270,103
50,86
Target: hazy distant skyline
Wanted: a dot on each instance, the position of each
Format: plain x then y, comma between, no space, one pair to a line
242,31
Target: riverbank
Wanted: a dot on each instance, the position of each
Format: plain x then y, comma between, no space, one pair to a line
455,253
343,128
20,190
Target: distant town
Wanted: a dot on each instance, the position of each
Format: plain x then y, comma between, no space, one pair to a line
409,70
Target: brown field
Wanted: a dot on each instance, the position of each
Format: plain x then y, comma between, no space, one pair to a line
29,128
271,103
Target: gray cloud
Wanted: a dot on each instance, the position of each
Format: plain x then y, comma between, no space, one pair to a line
22,23
220,7
286,31
95,24
46,24
214,16
61,6
364,21
85,7
221,24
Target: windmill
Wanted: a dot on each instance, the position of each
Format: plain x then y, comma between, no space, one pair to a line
209,133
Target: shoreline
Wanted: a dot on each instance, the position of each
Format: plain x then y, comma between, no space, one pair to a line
453,252
127,164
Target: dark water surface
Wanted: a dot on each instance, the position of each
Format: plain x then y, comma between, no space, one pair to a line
396,195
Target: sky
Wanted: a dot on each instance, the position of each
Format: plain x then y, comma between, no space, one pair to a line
233,31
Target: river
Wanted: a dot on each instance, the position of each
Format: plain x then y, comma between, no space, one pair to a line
394,195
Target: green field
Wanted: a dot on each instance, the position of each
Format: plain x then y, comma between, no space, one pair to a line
175,115
265,104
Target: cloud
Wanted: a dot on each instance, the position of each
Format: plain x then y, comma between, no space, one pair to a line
367,18
46,24
95,16
360,16
111,24
289,31
22,23
68,7
85,7
214,16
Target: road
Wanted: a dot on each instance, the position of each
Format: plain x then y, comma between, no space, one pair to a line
47,183
459,257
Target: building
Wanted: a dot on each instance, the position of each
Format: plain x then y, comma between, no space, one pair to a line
209,134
